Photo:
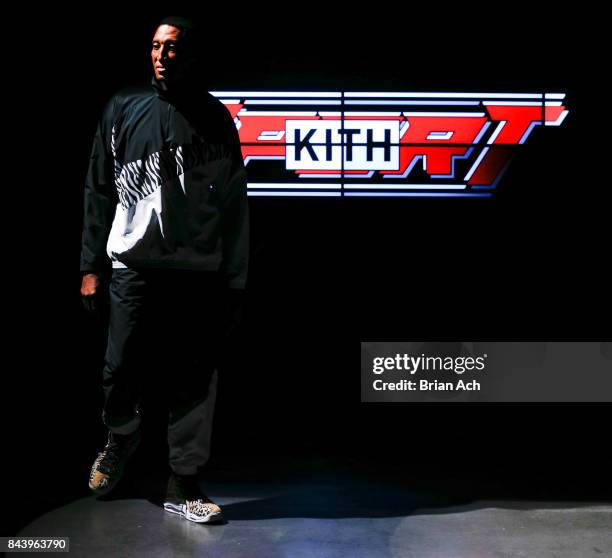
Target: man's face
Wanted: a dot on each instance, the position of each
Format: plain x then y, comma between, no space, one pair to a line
168,58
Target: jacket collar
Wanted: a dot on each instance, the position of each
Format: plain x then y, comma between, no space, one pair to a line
183,90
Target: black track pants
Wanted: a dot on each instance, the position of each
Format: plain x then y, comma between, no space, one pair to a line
164,327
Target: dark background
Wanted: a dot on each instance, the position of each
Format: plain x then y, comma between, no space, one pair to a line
528,264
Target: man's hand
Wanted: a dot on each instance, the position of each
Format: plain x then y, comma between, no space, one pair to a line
89,291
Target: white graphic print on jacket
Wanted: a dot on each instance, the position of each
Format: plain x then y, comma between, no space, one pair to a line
139,185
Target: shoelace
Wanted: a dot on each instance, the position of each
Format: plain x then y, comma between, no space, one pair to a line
109,457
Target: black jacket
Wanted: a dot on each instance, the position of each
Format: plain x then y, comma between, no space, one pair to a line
166,185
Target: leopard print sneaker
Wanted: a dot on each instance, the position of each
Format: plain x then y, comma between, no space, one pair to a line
202,510
107,469
185,498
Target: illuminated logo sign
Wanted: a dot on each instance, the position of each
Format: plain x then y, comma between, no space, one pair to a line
384,144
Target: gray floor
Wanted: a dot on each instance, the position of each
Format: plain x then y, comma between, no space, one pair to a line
331,519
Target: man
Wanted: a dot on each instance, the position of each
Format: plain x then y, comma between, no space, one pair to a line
166,203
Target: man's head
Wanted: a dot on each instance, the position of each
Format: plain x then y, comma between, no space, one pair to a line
173,52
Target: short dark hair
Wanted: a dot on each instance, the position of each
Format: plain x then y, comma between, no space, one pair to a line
189,31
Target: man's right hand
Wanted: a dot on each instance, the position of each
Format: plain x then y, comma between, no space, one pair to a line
89,291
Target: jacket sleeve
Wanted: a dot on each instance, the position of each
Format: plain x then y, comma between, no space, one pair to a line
100,196
235,221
